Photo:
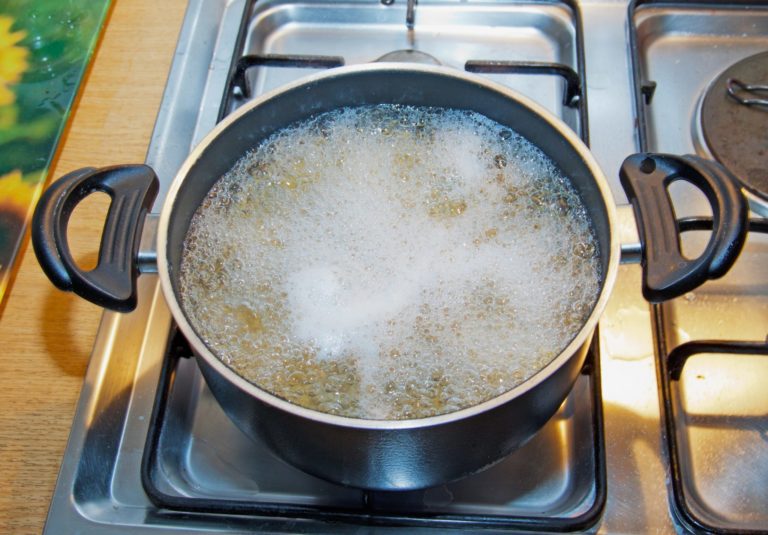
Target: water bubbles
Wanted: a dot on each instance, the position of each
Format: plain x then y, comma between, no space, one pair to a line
373,262
585,250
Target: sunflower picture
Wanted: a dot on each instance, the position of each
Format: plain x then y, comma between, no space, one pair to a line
13,59
45,47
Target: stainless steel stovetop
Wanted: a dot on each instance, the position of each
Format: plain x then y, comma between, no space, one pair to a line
150,450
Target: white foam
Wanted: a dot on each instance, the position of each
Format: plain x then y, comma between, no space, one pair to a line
390,262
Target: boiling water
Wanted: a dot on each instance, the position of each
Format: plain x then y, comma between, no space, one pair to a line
390,262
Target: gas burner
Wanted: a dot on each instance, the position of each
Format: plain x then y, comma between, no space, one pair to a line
732,127
410,55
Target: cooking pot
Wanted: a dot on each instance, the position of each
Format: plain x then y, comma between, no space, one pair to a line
386,454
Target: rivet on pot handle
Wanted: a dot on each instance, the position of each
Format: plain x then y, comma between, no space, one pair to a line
112,283
666,272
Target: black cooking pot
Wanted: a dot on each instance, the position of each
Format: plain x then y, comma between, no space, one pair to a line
383,454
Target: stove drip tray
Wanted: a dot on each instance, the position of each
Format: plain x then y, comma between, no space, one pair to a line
197,461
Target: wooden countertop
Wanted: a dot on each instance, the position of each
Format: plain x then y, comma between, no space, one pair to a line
46,335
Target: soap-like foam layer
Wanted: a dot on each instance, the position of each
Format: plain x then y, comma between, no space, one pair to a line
390,262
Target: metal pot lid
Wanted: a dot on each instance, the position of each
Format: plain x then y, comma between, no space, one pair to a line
736,132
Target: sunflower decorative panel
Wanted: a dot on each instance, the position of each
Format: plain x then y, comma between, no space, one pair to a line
45,47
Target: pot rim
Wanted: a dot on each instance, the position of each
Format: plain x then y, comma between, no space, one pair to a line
582,337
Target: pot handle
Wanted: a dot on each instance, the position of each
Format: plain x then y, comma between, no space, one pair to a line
112,283
666,272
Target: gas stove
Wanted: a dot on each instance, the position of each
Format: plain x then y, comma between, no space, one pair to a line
666,428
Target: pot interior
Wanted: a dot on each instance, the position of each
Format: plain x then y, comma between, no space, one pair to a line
381,84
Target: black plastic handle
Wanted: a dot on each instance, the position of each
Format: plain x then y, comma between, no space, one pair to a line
112,283
666,272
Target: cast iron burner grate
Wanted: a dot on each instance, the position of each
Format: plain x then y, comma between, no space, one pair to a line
697,456
196,461
239,88
688,506
273,490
